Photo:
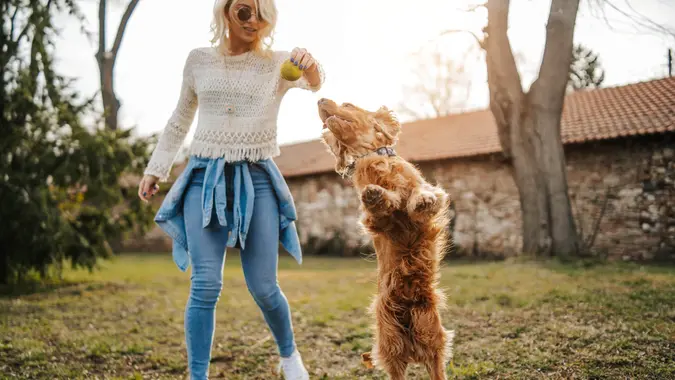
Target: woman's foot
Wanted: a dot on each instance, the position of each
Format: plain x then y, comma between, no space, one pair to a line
292,368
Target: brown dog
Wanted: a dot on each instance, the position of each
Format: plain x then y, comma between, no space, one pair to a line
406,217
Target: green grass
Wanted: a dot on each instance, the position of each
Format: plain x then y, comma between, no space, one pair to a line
512,320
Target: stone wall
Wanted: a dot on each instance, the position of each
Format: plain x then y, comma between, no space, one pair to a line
622,194
624,191
621,191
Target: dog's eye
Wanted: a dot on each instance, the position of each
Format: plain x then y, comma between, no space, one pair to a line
348,105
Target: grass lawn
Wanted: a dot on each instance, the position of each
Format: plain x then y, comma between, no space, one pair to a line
512,320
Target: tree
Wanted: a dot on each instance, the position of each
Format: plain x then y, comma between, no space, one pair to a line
585,70
440,85
106,60
529,126
60,193
529,122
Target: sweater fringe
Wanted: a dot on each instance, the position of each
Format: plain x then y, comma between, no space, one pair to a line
234,154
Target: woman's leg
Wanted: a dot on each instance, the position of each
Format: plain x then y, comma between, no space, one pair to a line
260,258
207,254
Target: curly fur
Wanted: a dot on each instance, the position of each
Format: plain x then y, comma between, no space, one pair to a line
406,217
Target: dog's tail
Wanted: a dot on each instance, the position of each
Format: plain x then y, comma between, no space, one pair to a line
367,360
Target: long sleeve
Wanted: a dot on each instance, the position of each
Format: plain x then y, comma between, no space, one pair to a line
177,127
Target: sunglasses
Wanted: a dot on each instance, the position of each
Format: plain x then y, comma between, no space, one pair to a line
245,13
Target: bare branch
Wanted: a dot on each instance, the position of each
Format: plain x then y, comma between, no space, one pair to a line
588,244
13,22
436,83
478,39
635,19
101,29
500,59
123,25
404,109
12,45
503,78
549,87
435,103
472,8
640,19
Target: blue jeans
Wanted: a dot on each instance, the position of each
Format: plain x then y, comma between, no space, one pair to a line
259,260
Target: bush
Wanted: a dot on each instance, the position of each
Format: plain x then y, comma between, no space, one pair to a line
61,194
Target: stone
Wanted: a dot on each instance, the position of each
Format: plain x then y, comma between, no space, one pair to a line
611,180
653,209
630,192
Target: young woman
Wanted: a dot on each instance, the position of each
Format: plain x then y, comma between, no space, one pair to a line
231,194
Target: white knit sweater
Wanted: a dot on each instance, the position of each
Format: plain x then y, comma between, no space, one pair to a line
238,98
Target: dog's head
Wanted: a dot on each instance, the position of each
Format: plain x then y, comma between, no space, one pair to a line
351,132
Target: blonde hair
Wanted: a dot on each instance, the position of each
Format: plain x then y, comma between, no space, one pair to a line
263,45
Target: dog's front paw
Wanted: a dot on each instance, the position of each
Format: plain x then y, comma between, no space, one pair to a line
372,195
423,202
426,201
379,200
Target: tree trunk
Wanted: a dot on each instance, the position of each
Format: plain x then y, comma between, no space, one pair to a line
111,104
4,270
531,187
106,61
548,95
529,127
552,168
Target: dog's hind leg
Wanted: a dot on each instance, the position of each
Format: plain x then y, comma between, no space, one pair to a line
436,368
430,334
395,368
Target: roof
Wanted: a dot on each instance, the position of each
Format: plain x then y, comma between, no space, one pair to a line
635,109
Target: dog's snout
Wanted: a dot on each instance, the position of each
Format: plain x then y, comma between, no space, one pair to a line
322,101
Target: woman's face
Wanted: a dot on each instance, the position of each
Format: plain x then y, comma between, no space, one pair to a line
244,20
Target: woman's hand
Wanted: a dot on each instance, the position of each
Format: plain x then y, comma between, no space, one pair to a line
300,57
148,187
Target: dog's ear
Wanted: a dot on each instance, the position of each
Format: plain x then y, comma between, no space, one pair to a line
344,131
341,153
343,159
388,123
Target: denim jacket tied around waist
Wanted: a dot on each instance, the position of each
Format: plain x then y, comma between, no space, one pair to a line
170,219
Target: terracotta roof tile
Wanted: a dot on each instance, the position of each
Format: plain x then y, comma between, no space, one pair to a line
635,109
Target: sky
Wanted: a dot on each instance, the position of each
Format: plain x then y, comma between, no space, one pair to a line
364,46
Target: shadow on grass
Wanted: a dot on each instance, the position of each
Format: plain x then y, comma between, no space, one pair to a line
579,266
34,287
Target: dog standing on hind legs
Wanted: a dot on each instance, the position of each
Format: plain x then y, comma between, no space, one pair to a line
407,218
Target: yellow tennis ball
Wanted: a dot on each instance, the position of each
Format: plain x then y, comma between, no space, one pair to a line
290,72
